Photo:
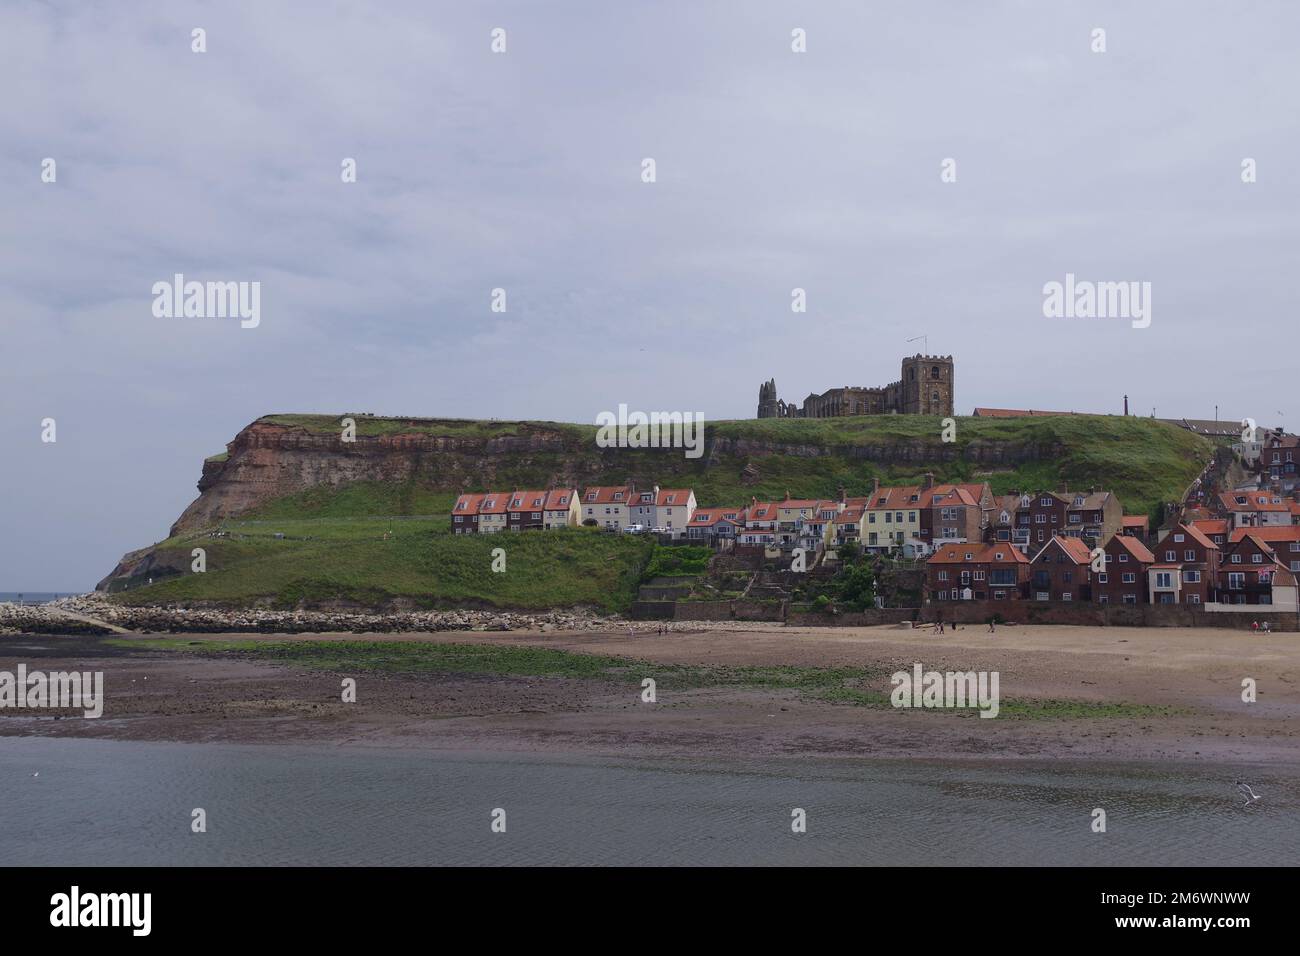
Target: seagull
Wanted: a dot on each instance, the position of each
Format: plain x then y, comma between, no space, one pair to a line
1248,793
36,774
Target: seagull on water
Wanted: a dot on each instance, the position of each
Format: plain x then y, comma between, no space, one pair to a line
1250,795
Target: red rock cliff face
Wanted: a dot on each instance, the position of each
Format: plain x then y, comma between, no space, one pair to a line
267,461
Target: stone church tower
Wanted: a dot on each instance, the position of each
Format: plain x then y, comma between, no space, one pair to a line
927,382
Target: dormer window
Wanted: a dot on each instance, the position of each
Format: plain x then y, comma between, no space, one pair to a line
1179,537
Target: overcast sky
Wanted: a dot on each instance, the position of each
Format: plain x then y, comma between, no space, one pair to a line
522,170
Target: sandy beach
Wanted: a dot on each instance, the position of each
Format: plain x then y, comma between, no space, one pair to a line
188,694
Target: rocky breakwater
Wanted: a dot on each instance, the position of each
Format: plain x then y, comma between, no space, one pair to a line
79,614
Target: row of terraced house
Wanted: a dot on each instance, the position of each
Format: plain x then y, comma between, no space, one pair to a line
612,507
1243,548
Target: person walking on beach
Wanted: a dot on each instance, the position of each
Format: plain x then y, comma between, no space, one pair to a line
992,629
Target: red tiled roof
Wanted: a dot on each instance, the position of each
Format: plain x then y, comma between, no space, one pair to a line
526,500
1134,547
1196,535
1136,521
494,503
1268,533
1211,525
468,504
1014,412
1074,547
947,495
893,498
605,495
558,499
980,554
1255,501
673,496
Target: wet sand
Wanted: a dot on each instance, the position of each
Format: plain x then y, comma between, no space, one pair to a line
174,695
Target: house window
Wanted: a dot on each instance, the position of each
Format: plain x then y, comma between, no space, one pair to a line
1236,581
1236,559
1164,579
1179,538
1103,578
1192,577
1128,577
1123,558
1256,559
1130,598
1189,555
1103,599
1171,555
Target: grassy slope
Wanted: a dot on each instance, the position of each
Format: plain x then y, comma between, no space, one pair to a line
334,547
348,559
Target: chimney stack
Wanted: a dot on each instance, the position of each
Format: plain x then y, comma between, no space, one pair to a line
929,480
875,488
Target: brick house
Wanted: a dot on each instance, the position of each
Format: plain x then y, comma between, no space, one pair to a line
1061,571
1040,516
1125,579
951,513
982,571
1186,568
1094,517
1247,570
464,514
524,510
1285,543
1136,526
1216,529
1003,524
